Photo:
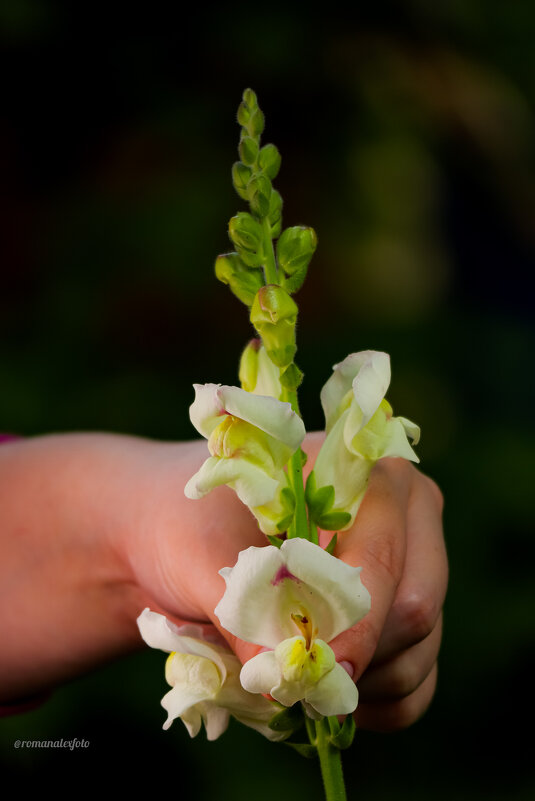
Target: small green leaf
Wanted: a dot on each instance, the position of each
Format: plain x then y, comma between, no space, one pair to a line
344,737
332,544
305,749
292,377
276,541
334,521
288,719
285,523
334,725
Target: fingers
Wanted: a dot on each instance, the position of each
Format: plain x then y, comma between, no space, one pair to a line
377,543
392,716
401,676
421,591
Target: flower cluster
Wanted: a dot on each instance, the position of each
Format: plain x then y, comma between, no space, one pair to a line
291,597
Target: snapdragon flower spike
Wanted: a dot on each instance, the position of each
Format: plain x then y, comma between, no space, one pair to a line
250,439
204,677
360,428
294,600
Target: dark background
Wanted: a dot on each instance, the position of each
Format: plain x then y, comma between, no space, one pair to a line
407,136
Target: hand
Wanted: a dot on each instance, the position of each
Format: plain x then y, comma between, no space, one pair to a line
397,539
109,532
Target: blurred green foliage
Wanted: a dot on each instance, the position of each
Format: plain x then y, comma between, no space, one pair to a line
406,134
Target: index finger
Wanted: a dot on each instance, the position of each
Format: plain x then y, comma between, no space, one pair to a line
376,542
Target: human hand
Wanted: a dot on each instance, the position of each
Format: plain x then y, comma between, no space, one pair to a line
397,539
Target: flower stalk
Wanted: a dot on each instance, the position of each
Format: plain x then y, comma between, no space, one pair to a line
330,763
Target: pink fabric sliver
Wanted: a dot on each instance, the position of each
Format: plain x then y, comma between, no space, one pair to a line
22,704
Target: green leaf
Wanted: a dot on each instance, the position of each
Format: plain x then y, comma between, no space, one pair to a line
292,377
285,523
333,521
288,719
319,501
305,749
276,541
295,281
344,737
332,544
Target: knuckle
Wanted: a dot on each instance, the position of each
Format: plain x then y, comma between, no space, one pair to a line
417,614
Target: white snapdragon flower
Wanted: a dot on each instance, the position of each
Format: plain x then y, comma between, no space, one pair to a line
205,683
293,601
250,439
360,428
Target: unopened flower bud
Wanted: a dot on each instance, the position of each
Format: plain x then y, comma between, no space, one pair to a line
269,160
248,150
274,315
245,231
259,193
243,282
257,373
295,248
241,175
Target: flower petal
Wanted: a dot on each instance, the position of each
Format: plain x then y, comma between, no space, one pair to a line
178,700
216,720
253,485
267,585
161,633
331,590
272,416
368,392
334,694
261,673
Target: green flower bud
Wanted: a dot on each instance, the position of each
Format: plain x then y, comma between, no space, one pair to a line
269,160
248,372
295,248
245,232
274,315
257,373
241,175
259,191
256,123
248,150
244,283
249,99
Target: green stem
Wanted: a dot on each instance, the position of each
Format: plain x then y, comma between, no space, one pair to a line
271,273
330,763
299,526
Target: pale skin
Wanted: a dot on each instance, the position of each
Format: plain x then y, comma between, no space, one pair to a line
95,527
